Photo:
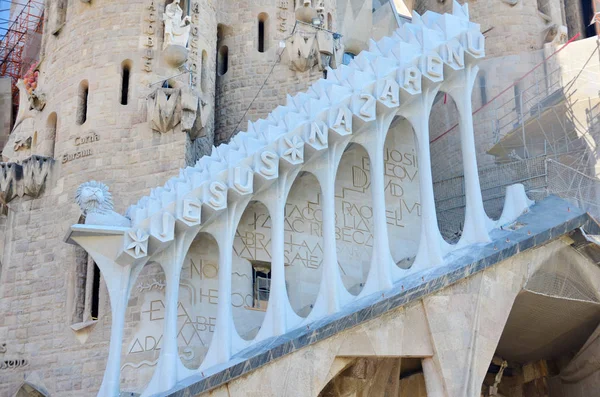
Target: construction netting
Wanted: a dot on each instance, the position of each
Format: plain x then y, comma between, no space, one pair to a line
582,190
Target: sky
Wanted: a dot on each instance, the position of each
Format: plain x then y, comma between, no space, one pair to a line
4,15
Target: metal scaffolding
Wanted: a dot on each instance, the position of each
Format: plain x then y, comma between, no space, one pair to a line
26,19
540,132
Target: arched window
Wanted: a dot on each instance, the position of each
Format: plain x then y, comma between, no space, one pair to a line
262,32
82,105
223,60
329,21
125,76
204,72
348,56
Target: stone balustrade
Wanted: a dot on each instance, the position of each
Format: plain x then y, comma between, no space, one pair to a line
399,76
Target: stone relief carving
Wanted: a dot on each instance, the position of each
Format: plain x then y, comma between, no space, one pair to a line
12,364
164,109
20,140
301,51
310,46
556,34
177,27
22,143
194,46
149,28
96,205
282,15
167,107
27,178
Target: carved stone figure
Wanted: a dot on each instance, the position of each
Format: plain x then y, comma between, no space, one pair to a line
167,107
164,109
309,46
556,34
177,29
27,178
22,143
96,204
301,51
194,112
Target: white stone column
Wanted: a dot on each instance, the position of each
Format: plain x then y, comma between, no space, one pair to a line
382,264
119,281
223,230
476,225
332,293
430,252
119,288
170,369
433,379
278,293
279,317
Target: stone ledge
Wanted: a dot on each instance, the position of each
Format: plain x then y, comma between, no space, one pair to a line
547,220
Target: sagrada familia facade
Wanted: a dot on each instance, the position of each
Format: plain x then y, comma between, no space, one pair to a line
303,198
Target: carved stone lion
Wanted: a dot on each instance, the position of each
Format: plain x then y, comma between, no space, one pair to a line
96,204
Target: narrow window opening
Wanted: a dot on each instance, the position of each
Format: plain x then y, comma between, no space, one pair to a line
261,284
81,261
262,32
87,288
125,75
482,89
95,292
261,36
329,21
83,103
223,60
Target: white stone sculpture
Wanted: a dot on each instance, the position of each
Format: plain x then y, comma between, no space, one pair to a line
96,204
177,27
398,75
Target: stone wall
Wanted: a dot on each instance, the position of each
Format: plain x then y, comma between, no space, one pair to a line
39,281
511,29
251,72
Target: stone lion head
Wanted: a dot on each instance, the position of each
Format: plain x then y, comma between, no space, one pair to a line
94,197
